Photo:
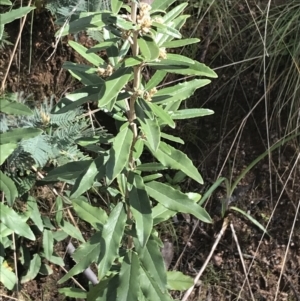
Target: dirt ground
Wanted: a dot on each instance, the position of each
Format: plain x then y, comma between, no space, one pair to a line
208,143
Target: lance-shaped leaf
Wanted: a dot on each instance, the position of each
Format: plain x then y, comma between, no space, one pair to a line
14,108
180,64
86,180
128,289
173,158
150,288
69,171
165,29
93,58
86,20
71,230
152,262
17,135
119,153
148,47
33,270
6,150
48,243
73,292
173,13
175,200
155,79
95,216
191,113
178,281
112,234
161,5
155,166
178,92
141,209
85,254
164,117
113,85
7,277
105,290
15,14
172,138
103,45
149,126
80,97
180,43
161,214
9,188
14,222
35,214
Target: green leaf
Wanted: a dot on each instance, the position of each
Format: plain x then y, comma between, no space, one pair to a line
5,2
179,92
152,177
173,158
14,108
180,43
138,148
152,262
48,243
141,209
148,47
150,289
112,234
161,214
179,64
148,167
155,79
165,29
7,277
87,20
151,131
178,281
113,85
175,200
172,138
84,74
6,150
105,290
173,13
119,153
251,219
162,114
33,270
95,216
71,230
80,97
69,171
128,289
73,292
191,113
85,254
103,45
158,5
17,135
9,188
13,221
85,181
116,5
93,58
15,14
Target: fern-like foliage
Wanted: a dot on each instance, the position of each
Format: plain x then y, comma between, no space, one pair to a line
57,145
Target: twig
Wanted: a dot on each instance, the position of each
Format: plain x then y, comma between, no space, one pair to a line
221,233
14,51
242,259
